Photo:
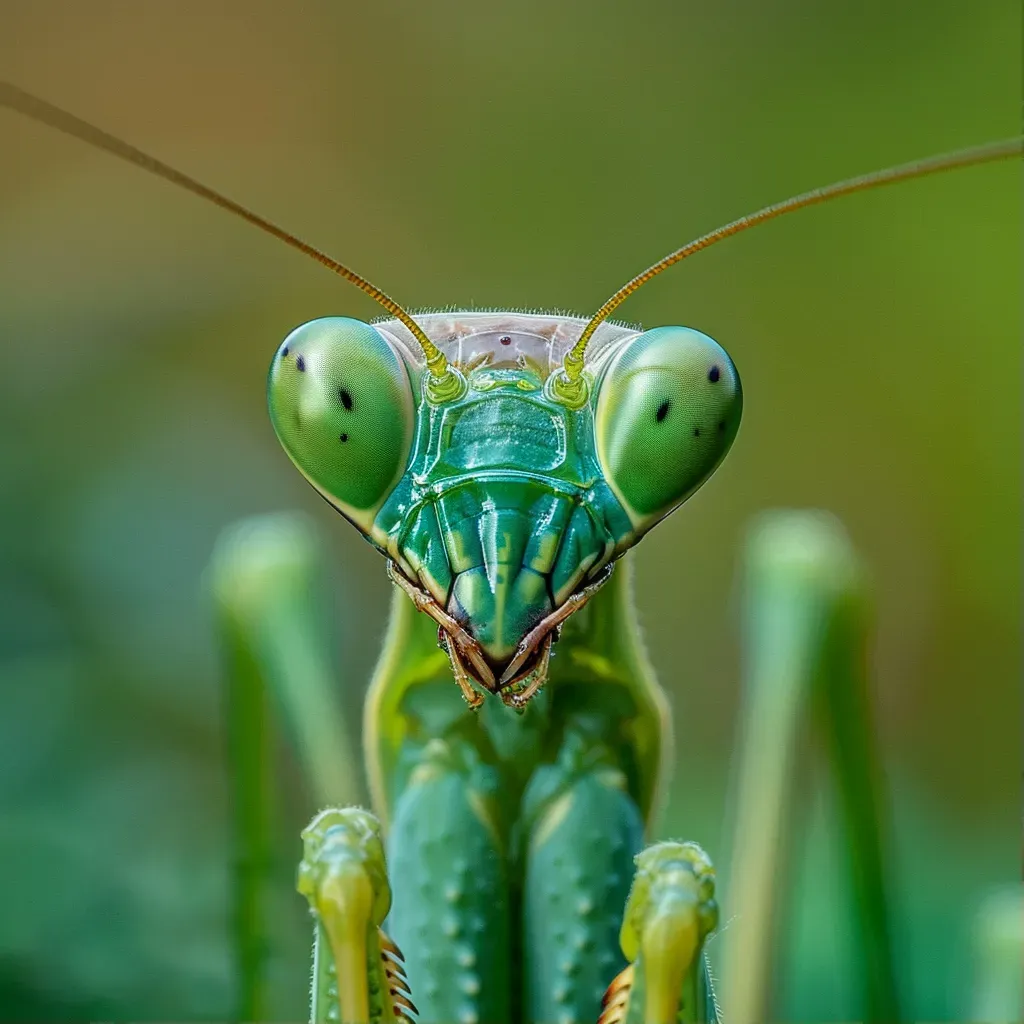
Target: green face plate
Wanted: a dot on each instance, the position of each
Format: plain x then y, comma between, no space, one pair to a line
510,501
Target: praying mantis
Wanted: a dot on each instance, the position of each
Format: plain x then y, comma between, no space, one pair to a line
516,737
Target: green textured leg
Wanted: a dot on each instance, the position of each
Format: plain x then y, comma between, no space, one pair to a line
357,970
671,911
449,877
582,830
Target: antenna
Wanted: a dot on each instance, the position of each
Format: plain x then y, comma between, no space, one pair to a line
569,386
444,383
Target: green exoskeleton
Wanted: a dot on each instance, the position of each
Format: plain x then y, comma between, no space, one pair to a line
516,739
501,503
502,506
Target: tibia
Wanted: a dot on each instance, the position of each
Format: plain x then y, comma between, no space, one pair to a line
670,912
358,977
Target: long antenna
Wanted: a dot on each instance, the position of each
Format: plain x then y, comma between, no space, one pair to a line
568,383
46,113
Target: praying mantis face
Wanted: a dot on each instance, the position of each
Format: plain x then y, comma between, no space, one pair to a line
503,505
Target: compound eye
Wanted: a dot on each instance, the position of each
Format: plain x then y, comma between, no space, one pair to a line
668,408
341,403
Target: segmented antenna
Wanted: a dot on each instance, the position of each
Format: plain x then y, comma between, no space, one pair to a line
569,385
46,113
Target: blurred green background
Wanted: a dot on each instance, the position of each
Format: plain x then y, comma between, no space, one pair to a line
526,155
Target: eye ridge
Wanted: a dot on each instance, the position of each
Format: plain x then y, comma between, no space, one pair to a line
346,398
663,410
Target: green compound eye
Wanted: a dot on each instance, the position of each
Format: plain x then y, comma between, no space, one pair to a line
668,409
341,404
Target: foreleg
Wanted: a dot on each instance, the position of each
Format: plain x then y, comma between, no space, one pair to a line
449,876
357,970
671,911
581,831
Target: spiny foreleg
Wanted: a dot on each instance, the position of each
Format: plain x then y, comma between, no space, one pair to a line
358,974
581,831
670,912
449,874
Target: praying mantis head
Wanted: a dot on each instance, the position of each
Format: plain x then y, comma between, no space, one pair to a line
502,502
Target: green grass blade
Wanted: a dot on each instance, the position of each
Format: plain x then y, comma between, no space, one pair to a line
845,723
268,585
250,760
804,623
999,959
264,582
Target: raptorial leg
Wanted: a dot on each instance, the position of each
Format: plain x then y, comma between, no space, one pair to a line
670,912
449,877
582,830
358,976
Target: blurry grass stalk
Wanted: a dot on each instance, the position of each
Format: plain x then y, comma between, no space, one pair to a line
805,632
267,588
999,959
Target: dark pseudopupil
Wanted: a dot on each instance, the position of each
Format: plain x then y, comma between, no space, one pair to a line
713,374
346,401
662,410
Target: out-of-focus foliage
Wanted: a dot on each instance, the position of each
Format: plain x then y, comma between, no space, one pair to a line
522,155
998,954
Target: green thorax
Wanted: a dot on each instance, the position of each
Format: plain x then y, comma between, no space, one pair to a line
503,511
